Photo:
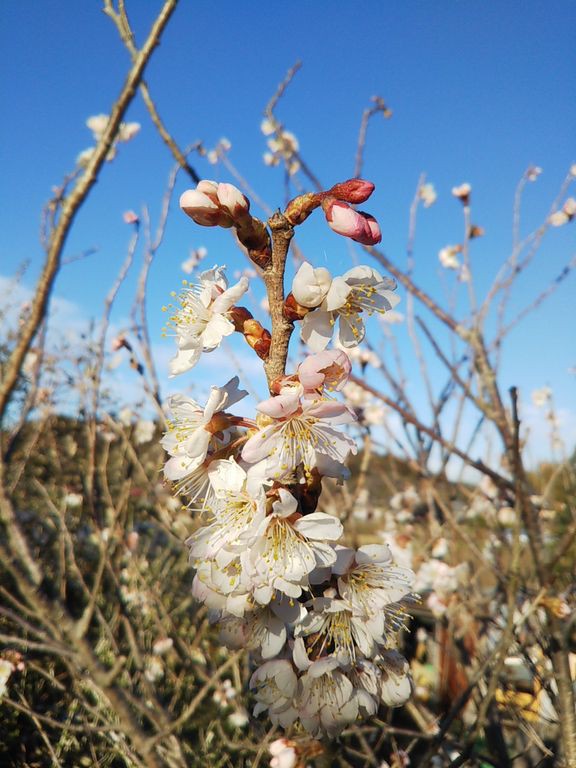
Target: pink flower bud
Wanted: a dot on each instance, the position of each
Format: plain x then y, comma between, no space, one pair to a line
329,369
375,234
209,188
233,200
344,220
353,190
203,208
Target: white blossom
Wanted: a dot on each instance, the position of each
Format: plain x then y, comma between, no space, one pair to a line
194,433
360,290
202,319
299,433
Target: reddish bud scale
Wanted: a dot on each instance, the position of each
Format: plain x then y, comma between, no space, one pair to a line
262,345
292,310
239,316
254,236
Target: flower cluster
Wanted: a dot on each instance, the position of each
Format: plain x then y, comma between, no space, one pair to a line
283,146
319,618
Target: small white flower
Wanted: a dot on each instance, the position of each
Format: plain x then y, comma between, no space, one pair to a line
288,547
301,433
201,321
192,431
274,685
369,581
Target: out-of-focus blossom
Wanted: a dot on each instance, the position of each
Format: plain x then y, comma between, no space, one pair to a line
565,215
427,193
448,256
462,192
283,146
154,669
73,500
84,157
193,260
162,646
144,431
125,416
542,396
130,217
6,669
533,172
392,317
265,305
267,127
238,719
507,516
283,753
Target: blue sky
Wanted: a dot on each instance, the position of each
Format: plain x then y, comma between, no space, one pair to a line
479,91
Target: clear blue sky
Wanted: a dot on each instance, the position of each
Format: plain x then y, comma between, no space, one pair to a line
479,91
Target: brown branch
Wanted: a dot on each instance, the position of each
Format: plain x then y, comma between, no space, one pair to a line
122,24
479,465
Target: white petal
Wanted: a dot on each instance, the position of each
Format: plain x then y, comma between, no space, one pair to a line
374,553
317,329
184,360
218,327
319,525
337,295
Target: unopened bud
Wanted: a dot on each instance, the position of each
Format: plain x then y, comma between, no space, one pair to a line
233,200
356,225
